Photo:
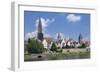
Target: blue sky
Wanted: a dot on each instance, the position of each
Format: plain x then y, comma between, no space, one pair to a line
68,24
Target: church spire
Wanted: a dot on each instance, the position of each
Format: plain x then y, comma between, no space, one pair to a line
80,38
40,26
40,34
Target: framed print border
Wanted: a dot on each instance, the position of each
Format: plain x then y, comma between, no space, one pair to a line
17,36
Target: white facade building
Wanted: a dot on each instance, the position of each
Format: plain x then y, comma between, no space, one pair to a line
45,44
63,43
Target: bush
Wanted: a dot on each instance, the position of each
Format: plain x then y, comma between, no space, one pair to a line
34,46
67,46
53,47
82,46
59,50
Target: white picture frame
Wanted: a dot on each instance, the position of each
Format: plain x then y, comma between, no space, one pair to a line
17,50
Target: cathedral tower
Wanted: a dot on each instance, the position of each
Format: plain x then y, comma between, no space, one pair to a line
40,34
80,38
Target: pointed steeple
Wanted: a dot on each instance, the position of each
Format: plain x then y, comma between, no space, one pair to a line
40,26
80,38
40,34
58,36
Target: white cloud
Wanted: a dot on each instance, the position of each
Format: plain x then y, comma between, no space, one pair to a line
34,34
30,35
86,39
45,22
73,18
47,35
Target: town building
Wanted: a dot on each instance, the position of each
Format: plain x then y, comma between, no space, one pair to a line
80,38
60,42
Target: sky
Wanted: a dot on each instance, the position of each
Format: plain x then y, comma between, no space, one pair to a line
69,25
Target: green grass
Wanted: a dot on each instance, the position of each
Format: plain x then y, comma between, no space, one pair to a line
27,57
60,55
69,55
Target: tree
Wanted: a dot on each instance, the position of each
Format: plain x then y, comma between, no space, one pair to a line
82,46
67,46
34,46
53,47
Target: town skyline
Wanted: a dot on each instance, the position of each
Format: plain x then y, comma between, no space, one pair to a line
69,25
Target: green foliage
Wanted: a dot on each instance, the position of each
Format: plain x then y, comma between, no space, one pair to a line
27,57
34,46
67,46
53,47
84,54
82,46
59,50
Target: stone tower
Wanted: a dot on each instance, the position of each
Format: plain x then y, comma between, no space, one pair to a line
80,38
40,34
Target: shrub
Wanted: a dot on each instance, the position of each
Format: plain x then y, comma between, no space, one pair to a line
53,47
34,46
59,50
82,46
